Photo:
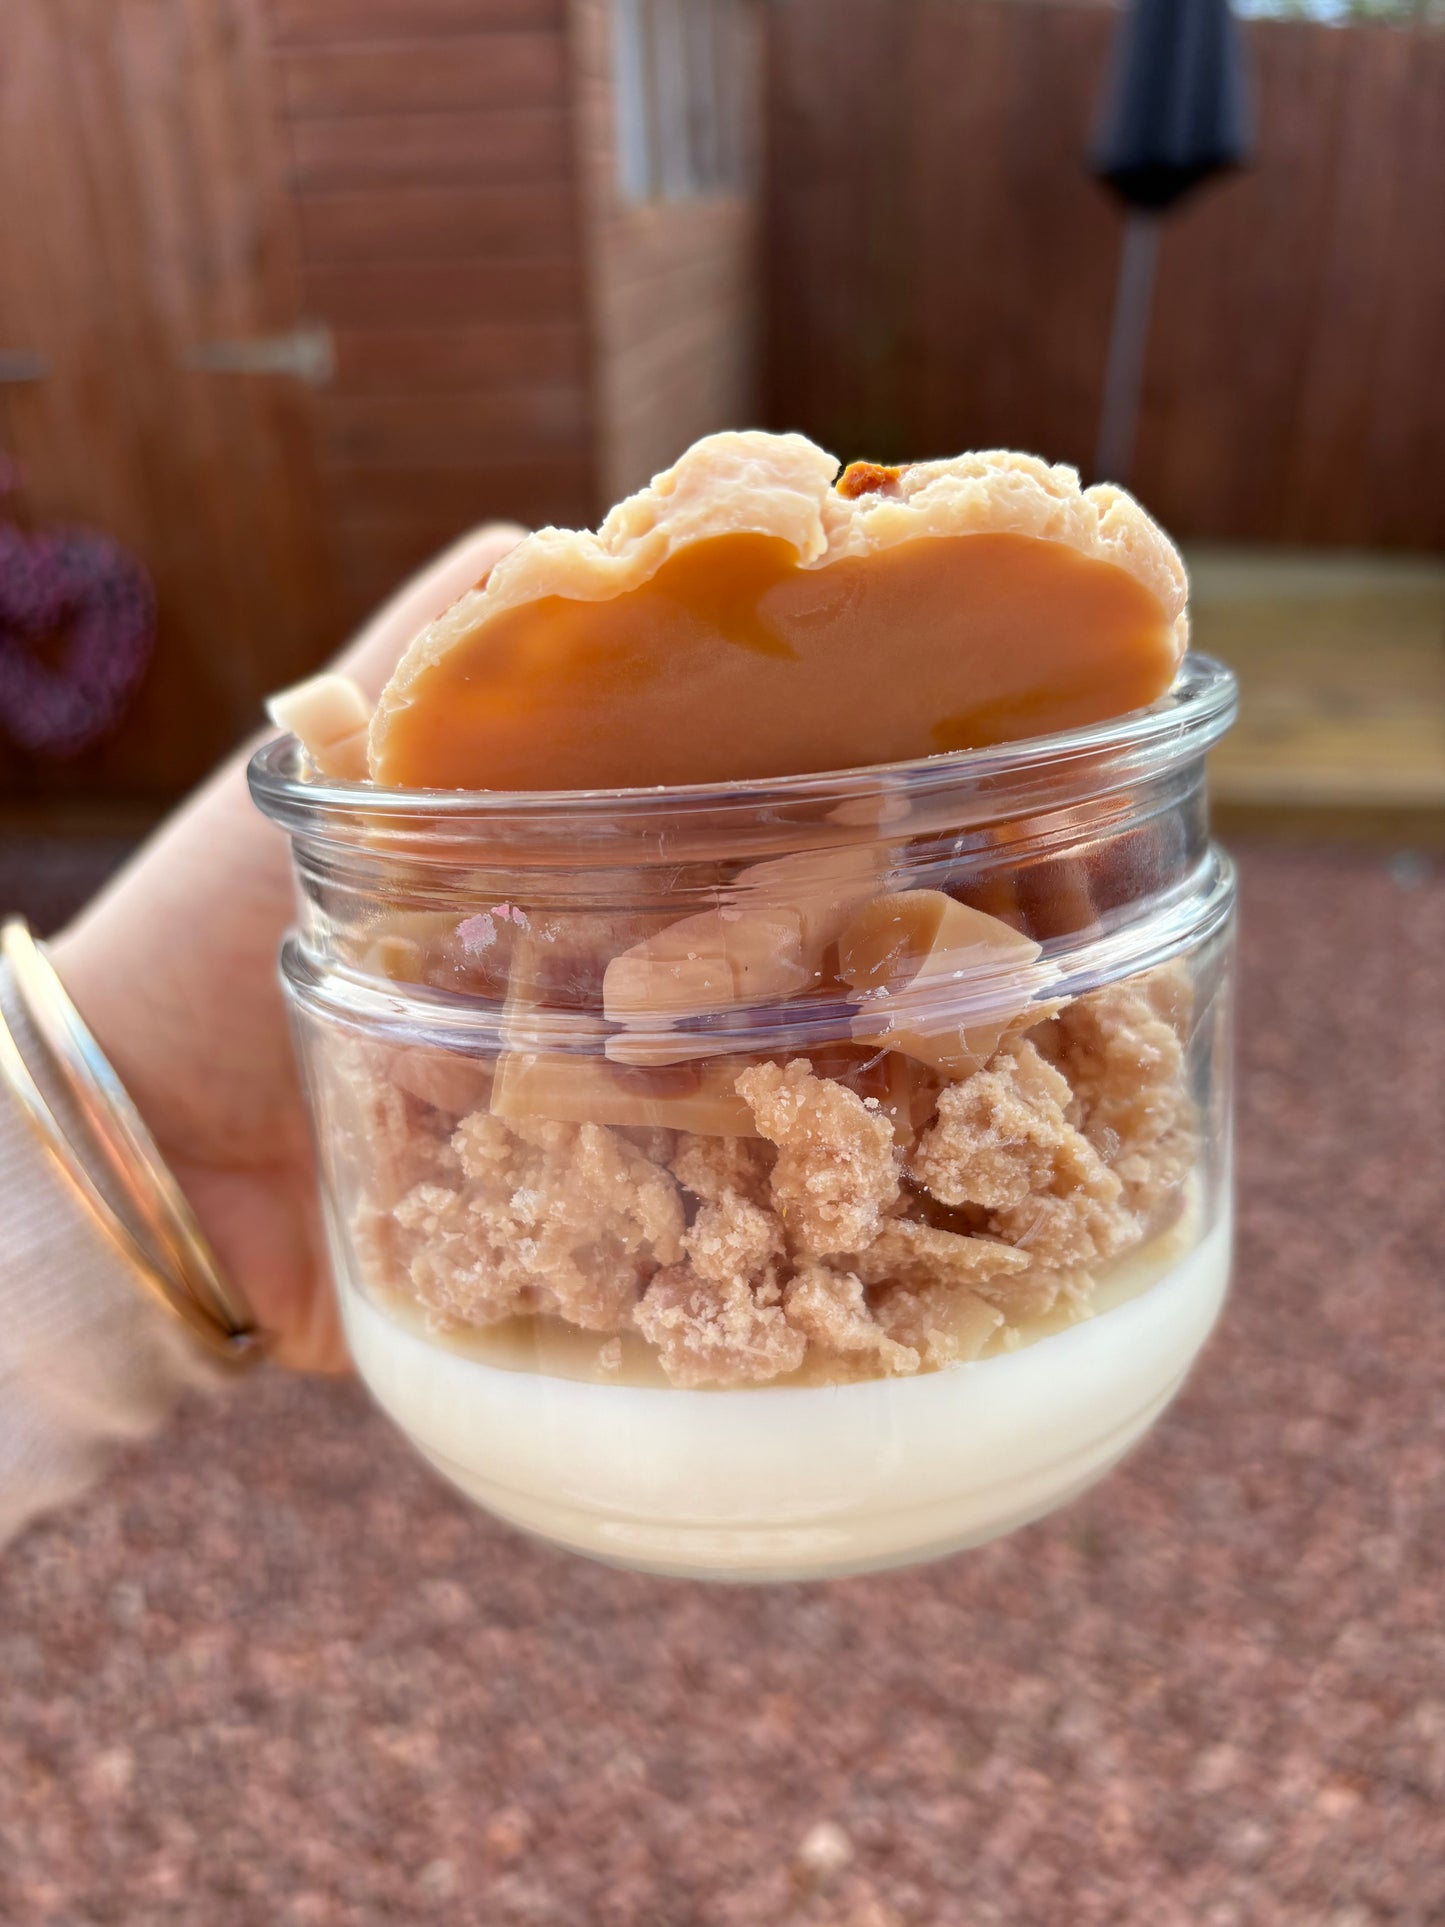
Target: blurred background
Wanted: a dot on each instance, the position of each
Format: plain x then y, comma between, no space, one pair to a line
291,292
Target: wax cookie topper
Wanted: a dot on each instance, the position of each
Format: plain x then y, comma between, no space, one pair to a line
753,614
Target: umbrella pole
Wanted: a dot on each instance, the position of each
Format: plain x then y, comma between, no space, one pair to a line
1124,373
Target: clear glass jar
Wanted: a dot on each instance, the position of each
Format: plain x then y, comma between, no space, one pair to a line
779,1179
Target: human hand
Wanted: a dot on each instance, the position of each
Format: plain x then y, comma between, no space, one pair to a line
174,968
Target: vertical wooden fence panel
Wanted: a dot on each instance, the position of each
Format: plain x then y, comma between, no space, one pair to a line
941,264
842,230
144,220
672,275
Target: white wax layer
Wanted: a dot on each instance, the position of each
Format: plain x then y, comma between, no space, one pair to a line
797,1482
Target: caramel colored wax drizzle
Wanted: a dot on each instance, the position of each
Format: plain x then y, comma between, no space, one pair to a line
732,661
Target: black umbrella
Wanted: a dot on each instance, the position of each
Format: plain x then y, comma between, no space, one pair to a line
1174,115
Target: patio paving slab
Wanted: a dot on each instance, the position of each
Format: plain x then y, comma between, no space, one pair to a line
273,1672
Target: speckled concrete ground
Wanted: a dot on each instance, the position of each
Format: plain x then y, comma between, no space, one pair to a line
274,1673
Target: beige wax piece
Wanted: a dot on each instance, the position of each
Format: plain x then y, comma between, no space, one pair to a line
821,887
445,1080
540,977
330,717
662,1047
396,957
558,957
410,946
766,941
576,1089
918,941
705,963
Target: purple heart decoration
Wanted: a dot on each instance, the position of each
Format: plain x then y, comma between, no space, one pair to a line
85,602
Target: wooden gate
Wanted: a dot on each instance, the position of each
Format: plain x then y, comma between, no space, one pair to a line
293,291
160,356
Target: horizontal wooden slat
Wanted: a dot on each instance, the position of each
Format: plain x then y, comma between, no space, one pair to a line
436,223
689,365
423,76
518,421
368,148
632,311
303,22
443,294
413,360
659,270
413,511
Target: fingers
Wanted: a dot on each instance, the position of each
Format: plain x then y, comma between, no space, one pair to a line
375,652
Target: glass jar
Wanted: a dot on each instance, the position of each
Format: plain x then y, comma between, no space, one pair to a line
780,1179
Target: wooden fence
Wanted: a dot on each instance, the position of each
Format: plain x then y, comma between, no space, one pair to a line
306,287
941,265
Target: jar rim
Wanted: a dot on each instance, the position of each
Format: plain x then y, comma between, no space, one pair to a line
1193,714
